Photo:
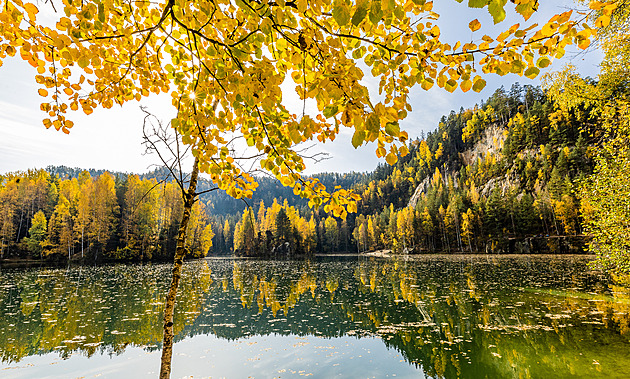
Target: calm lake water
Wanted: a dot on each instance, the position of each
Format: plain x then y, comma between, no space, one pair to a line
436,317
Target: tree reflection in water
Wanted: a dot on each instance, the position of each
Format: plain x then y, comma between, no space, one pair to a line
452,317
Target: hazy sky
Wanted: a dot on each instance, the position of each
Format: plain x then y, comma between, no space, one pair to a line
111,138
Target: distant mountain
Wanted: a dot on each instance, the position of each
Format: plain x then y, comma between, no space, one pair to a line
223,205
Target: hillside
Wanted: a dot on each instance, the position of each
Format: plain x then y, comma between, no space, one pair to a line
222,204
500,177
504,170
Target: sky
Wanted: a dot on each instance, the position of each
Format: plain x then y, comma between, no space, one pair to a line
111,139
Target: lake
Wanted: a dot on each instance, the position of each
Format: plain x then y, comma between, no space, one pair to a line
429,316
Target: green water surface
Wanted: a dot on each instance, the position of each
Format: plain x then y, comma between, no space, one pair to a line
431,316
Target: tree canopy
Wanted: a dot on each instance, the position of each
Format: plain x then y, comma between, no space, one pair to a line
606,194
224,61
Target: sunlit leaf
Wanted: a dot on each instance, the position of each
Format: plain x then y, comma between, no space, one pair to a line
474,25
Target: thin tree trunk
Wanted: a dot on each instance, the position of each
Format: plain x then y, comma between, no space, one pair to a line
459,235
180,252
17,239
445,238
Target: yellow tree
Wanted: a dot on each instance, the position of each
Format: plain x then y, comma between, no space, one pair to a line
223,63
170,212
70,189
605,195
331,235
244,233
401,223
199,234
373,233
467,228
82,217
566,212
8,204
427,227
31,189
228,237
409,227
311,241
270,219
362,236
261,217
103,208
62,223
206,239
140,215
60,229
37,233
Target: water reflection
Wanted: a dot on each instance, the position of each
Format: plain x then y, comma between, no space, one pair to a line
90,309
450,317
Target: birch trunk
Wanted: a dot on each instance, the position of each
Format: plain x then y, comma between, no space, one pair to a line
180,252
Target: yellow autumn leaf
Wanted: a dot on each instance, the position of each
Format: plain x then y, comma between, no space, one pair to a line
465,85
543,62
31,9
474,25
427,84
584,43
602,21
532,72
596,5
391,159
478,84
450,85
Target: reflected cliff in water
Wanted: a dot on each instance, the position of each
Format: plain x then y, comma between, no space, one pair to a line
451,317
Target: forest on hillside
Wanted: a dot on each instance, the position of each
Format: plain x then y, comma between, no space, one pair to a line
484,179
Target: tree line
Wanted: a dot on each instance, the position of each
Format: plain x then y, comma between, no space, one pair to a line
506,169
106,217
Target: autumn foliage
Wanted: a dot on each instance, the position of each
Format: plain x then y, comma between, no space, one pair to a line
93,54
101,218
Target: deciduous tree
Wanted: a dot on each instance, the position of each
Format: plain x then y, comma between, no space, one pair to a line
37,233
236,55
605,195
